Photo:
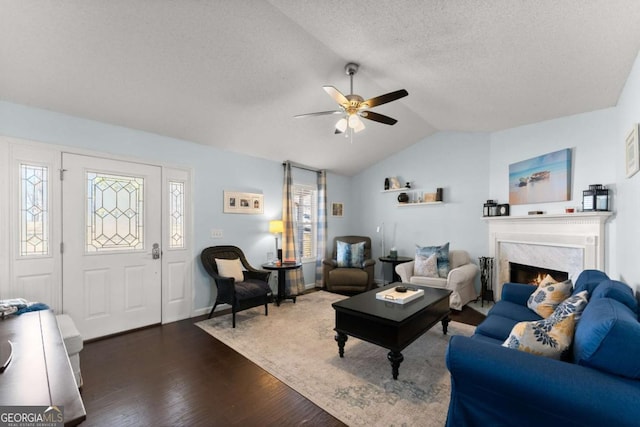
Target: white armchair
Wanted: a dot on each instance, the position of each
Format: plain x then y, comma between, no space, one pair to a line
460,280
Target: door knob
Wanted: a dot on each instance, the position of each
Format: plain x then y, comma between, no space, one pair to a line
155,251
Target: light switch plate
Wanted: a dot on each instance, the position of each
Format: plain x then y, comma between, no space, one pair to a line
216,233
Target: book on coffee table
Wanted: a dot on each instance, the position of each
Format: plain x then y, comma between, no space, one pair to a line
391,295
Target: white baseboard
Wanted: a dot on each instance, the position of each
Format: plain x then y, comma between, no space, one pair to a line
206,310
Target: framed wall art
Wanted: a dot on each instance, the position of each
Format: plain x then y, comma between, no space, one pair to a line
631,149
546,178
337,209
243,203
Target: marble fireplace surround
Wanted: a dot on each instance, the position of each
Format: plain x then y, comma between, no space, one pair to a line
565,242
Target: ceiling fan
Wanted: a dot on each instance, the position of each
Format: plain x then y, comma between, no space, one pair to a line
354,106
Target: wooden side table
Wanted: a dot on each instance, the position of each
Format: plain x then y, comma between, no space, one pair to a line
281,269
393,261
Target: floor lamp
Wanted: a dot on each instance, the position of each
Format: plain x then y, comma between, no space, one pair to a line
276,227
380,229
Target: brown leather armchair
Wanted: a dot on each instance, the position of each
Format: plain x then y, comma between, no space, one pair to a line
349,279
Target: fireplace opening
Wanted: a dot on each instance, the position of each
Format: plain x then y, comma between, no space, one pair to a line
532,275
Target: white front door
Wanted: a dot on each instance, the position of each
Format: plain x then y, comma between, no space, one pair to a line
111,271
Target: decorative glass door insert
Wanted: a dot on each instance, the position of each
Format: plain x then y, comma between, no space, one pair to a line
176,214
114,212
34,210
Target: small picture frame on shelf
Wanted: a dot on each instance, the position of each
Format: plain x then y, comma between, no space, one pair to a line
429,197
394,183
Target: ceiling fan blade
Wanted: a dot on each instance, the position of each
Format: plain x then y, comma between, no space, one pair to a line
381,118
383,99
319,113
336,95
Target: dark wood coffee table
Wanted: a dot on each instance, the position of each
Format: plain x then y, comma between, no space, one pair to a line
390,325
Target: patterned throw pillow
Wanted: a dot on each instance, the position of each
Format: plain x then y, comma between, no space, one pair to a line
425,266
552,336
574,304
350,254
442,257
546,298
230,268
548,279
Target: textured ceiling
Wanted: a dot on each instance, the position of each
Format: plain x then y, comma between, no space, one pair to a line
232,74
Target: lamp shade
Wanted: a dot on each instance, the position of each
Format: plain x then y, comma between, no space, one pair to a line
342,125
276,226
355,123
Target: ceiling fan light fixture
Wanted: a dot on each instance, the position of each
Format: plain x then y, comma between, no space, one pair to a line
353,107
355,123
342,125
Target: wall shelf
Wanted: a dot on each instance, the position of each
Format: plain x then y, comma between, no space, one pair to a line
413,193
419,204
397,190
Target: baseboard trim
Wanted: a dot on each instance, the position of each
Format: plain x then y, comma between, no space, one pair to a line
206,310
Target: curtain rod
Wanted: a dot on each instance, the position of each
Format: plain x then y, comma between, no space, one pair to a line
299,166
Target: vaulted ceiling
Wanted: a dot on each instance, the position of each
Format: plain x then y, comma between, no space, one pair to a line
233,73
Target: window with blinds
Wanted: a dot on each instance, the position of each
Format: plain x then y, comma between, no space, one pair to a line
305,202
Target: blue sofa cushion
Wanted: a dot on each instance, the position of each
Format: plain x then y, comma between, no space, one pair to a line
617,291
517,293
588,280
513,311
496,327
483,338
606,338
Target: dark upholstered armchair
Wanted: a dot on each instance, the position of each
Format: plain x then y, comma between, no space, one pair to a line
349,279
253,290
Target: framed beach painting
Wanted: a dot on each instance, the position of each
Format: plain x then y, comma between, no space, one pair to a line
545,178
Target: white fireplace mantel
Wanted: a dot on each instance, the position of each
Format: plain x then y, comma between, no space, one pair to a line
567,242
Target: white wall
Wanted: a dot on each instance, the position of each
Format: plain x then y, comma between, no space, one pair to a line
213,172
628,190
456,162
474,167
339,190
469,167
591,136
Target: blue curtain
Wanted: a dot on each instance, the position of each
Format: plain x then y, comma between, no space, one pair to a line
294,283
321,236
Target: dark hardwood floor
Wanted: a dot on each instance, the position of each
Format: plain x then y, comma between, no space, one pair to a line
467,315
178,375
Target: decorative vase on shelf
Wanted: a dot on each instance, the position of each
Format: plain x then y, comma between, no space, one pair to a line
403,198
386,183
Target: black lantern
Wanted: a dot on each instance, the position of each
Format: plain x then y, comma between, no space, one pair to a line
490,208
602,199
596,198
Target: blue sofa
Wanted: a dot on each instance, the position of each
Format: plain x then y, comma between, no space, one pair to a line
596,384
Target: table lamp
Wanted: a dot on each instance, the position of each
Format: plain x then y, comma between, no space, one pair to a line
276,227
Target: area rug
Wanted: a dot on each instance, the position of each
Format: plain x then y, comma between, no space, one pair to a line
295,343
